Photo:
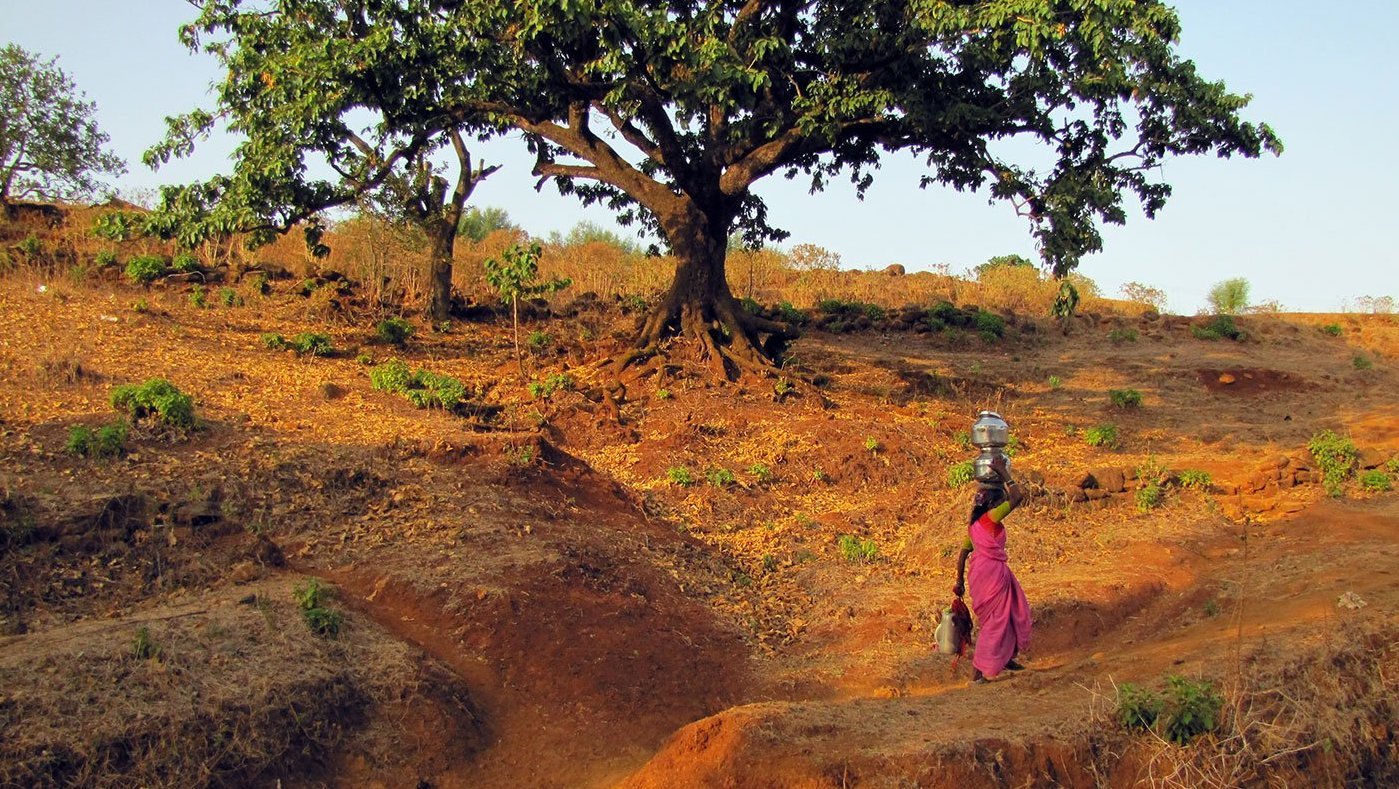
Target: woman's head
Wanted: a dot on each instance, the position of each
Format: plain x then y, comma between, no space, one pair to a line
986,500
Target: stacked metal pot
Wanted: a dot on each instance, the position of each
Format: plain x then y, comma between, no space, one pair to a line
990,434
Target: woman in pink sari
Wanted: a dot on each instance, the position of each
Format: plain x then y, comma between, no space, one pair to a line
1002,612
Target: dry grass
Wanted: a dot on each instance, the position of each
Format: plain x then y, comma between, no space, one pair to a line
232,691
1324,718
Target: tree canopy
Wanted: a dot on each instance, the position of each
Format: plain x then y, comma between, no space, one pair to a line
670,112
50,146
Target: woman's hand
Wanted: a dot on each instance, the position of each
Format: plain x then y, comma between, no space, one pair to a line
1001,467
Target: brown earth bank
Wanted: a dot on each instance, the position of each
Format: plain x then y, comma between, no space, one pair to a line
699,584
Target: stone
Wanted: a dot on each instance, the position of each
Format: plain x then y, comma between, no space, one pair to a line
1076,495
893,270
1227,378
1096,494
1085,480
1113,480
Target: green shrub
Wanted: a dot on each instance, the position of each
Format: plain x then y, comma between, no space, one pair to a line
1193,478
1219,327
141,306
679,475
855,549
30,246
761,472
663,394
143,269
783,387
104,259
538,341
1150,497
719,477
229,297
108,441
394,331
1138,708
1188,709
1055,382
310,600
1392,465
391,376
184,263
1376,481
198,297
990,323
422,388
1333,329
1118,336
558,382
960,474
156,398
1336,457
312,343
1101,436
871,444
143,647
1361,362
789,314
274,341
1125,398
364,359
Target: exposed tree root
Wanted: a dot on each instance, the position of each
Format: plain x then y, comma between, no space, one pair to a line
728,341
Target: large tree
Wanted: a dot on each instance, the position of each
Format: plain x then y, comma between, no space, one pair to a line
50,146
335,103
671,111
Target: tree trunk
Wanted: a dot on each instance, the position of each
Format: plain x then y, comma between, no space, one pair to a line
700,307
443,238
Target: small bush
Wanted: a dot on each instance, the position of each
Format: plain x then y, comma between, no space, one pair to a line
364,359
1392,465
663,394
184,263
391,376
960,474
274,341
311,343
394,331
143,647
1119,336
422,388
229,297
1336,457
143,269
105,259
719,477
310,600
679,475
789,314
156,398
538,341
1361,362
855,549
1138,708
871,444
1125,398
1194,478
1055,382
141,306
1188,709
558,382
1219,327
30,246
198,297
108,441
761,472
1376,481
783,387
1101,436
1333,329
990,323
1150,497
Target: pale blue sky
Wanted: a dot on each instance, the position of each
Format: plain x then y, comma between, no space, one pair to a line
1307,229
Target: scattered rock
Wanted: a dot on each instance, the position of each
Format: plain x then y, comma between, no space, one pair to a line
1112,480
893,270
1227,378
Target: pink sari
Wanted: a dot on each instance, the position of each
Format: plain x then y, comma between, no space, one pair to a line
1002,612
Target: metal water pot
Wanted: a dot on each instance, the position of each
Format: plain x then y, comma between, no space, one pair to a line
990,430
990,433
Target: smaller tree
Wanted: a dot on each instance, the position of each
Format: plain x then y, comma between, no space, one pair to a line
1154,298
1002,261
477,223
1229,297
50,146
516,274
